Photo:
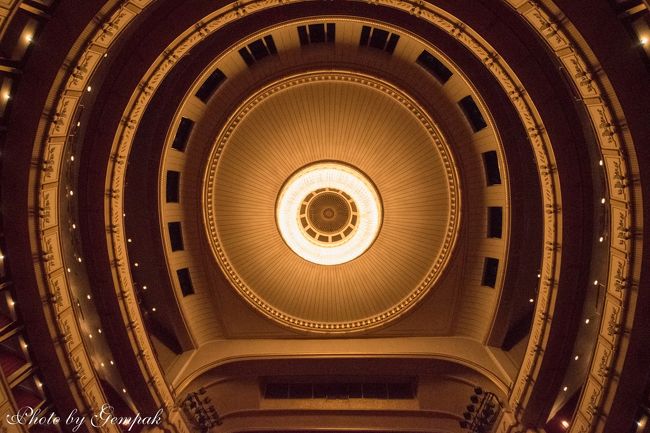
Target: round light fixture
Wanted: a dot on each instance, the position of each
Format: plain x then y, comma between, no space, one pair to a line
328,213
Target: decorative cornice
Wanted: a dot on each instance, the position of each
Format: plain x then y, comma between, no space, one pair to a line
615,148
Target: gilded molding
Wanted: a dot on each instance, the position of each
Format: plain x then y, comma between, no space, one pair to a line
60,127
563,41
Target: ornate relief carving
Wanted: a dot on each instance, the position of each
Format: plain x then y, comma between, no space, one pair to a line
47,211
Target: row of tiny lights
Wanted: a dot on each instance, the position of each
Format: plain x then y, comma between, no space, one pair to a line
603,200
74,227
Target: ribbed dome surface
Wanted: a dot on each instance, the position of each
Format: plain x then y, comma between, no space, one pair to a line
344,117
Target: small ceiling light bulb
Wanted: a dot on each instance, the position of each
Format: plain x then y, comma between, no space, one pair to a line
89,88
88,297
644,40
90,335
565,423
531,300
576,357
6,96
99,330
153,309
136,264
586,321
129,240
602,200
124,390
69,270
595,282
112,363
600,162
74,226
144,287
566,388
79,259
29,38
71,192
102,364
12,302
600,239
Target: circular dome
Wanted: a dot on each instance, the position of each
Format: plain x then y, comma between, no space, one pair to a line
328,213
290,171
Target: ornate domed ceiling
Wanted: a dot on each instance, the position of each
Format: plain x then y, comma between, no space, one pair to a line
331,213
352,119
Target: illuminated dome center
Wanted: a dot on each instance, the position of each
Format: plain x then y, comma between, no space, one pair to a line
328,213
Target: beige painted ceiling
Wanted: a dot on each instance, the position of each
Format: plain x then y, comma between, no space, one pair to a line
357,120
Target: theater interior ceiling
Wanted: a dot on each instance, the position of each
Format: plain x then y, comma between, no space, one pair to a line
325,216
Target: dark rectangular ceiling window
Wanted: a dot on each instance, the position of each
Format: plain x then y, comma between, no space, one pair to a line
490,269
434,66
210,85
341,390
270,44
472,113
495,222
172,186
258,49
491,165
378,38
183,134
316,33
185,281
246,56
175,235
392,43
303,35
365,36
331,32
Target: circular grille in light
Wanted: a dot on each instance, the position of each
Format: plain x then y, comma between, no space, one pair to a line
328,213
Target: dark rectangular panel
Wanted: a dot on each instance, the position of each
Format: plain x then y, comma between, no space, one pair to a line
276,390
270,44
365,35
331,32
246,55
210,85
491,165
472,113
172,190
175,236
182,134
434,66
185,281
490,269
375,390
316,33
398,391
495,222
378,38
392,43
300,390
302,35
258,49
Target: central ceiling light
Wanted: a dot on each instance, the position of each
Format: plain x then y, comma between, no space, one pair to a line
328,213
